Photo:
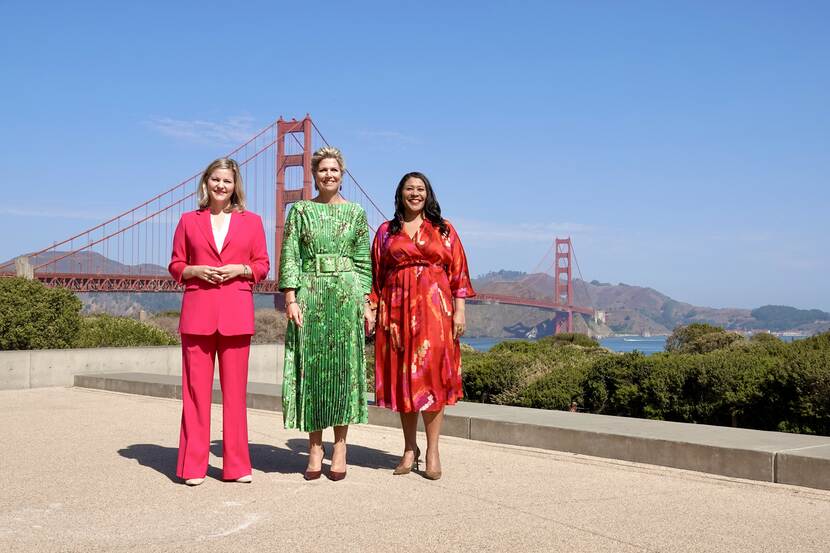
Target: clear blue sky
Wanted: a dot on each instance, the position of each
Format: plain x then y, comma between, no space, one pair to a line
683,145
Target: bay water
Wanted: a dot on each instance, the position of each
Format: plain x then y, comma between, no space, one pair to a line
623,344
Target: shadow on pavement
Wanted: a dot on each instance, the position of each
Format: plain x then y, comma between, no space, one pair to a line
161,459
264,457
358,455
293,458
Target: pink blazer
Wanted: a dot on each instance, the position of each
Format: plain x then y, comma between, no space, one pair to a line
228,307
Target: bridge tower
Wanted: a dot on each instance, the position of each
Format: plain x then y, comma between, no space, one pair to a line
563,285
285,197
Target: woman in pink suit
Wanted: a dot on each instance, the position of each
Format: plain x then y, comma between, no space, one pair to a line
218,254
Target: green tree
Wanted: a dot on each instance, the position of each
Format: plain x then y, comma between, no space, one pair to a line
33,316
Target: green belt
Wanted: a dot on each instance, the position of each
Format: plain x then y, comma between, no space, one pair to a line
329,264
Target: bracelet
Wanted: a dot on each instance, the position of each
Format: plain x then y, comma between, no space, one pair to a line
245,270
292,301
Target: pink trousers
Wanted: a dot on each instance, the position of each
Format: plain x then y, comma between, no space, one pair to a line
198,358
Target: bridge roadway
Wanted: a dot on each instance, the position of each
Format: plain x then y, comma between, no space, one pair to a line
87,470
80,282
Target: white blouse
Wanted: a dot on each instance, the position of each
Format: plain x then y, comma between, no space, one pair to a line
219,235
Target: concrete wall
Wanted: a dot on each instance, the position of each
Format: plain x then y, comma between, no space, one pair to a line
58,367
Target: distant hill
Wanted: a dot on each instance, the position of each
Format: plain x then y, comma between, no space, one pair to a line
629,309
783,317
130,304
93,262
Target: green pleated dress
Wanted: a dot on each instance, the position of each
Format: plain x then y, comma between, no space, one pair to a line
325,257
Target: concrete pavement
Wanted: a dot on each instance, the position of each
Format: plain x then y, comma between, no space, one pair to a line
786,458
86,470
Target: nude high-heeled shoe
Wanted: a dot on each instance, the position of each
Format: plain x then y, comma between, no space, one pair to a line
432,474
194,481
400,469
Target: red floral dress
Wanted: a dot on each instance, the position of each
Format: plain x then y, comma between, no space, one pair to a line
417,362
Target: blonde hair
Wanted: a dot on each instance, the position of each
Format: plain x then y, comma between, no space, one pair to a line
238,196
326,152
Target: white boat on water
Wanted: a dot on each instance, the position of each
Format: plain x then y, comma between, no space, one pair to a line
643,338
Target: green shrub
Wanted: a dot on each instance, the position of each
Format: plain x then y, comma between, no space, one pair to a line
799,388
545,373
571,338
485,375
369,350
33,316
611,384
561,378
700,338
760,383
766,385
108,331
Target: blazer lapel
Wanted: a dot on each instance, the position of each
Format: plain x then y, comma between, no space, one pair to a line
207,231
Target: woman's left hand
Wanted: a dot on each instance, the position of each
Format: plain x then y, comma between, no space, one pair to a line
227,272
459,324
369,315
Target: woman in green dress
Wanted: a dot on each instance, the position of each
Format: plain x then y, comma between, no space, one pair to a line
325,272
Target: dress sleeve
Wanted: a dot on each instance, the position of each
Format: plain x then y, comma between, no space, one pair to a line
378,272
360,252
290,254
260,264
178,259
459,273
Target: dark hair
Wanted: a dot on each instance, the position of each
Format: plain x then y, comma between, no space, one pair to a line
432,211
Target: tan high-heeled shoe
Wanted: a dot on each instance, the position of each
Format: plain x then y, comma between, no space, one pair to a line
432,474
399,470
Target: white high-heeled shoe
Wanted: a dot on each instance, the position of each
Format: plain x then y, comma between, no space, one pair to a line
194,481
247,479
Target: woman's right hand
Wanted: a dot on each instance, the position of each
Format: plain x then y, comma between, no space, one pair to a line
294,313
204,272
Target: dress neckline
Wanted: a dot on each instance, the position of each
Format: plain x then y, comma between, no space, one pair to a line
329,204
417,231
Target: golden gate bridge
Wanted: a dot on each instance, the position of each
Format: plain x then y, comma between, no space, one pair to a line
130,252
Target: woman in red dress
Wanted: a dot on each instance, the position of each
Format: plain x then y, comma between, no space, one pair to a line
420,280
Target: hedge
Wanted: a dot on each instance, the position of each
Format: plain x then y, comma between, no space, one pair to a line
759,383
108,331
